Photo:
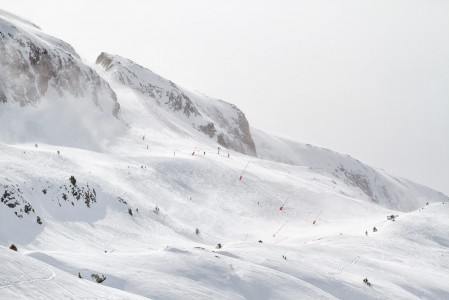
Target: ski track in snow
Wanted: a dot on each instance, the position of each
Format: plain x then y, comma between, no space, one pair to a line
28,278
218,231
352,264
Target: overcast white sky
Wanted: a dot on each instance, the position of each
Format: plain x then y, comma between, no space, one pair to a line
365,78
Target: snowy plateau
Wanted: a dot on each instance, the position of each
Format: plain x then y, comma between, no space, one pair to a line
111,173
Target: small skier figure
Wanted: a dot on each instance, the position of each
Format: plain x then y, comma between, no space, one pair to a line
366,232
218,148
367,282
374,229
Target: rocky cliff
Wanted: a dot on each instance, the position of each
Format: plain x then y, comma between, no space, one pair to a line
34,65
221,121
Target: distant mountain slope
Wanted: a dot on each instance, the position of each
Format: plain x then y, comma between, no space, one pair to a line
380,187
59,94
219,120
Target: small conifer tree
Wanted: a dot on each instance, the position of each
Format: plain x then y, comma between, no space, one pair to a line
98,278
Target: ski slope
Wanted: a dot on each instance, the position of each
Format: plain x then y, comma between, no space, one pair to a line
143,197
159,256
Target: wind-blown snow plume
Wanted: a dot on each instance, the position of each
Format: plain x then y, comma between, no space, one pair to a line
63,98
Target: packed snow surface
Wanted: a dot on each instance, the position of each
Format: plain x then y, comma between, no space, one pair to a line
146,200
156,253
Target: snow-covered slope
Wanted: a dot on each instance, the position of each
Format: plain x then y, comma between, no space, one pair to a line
156,253
22,277
47,93
377,185
219,120
162,215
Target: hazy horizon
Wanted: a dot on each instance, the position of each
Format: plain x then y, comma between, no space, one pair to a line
364,78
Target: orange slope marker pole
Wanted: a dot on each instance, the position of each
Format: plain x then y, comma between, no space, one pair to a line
314,221
274,235
241,175
283,204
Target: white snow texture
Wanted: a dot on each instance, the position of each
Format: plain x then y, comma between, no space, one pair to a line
145,199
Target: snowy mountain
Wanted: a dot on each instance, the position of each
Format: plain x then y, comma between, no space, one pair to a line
219,120
146,201
40,73
377,185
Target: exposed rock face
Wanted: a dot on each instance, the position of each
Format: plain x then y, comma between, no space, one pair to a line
34,65
217,119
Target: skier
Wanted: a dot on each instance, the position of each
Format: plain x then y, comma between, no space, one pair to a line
366,232
374,229
367,282
228,155
218,150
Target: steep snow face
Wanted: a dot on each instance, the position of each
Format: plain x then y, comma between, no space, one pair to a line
33,63
47,93
377,185
219,120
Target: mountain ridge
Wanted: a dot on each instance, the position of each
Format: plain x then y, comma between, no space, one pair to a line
144,200
219,120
